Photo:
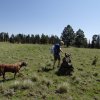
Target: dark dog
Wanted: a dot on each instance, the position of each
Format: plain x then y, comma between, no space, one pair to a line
14,68
66,67
66,59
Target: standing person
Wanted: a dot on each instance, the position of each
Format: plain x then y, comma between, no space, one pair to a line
57,50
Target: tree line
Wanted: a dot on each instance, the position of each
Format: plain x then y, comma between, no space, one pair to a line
78,38
68,35
32,39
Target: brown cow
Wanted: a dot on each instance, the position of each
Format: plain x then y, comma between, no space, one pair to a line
14,68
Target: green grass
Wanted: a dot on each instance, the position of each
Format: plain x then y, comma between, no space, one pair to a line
35,83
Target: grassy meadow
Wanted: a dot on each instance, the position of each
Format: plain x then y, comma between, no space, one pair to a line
35,83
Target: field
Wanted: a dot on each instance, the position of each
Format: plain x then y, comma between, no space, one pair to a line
35,83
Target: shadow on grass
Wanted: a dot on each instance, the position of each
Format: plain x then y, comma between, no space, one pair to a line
45,69
6,80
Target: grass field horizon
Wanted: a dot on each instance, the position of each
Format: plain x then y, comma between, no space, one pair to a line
33,83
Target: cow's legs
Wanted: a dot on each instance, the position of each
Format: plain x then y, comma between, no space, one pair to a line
14,75
4,75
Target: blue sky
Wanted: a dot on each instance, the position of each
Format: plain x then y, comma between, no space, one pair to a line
49,16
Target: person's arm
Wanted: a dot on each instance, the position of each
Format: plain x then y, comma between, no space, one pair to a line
61,50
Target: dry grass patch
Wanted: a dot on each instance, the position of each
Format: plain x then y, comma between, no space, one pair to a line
25,84
46,81
63,88
35,78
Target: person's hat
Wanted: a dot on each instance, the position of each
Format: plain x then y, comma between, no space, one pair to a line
61,42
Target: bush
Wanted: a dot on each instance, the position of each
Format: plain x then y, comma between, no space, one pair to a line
63,88
46,81
26,84
2,87
35,77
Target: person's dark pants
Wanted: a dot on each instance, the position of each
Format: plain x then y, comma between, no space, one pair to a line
56,57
